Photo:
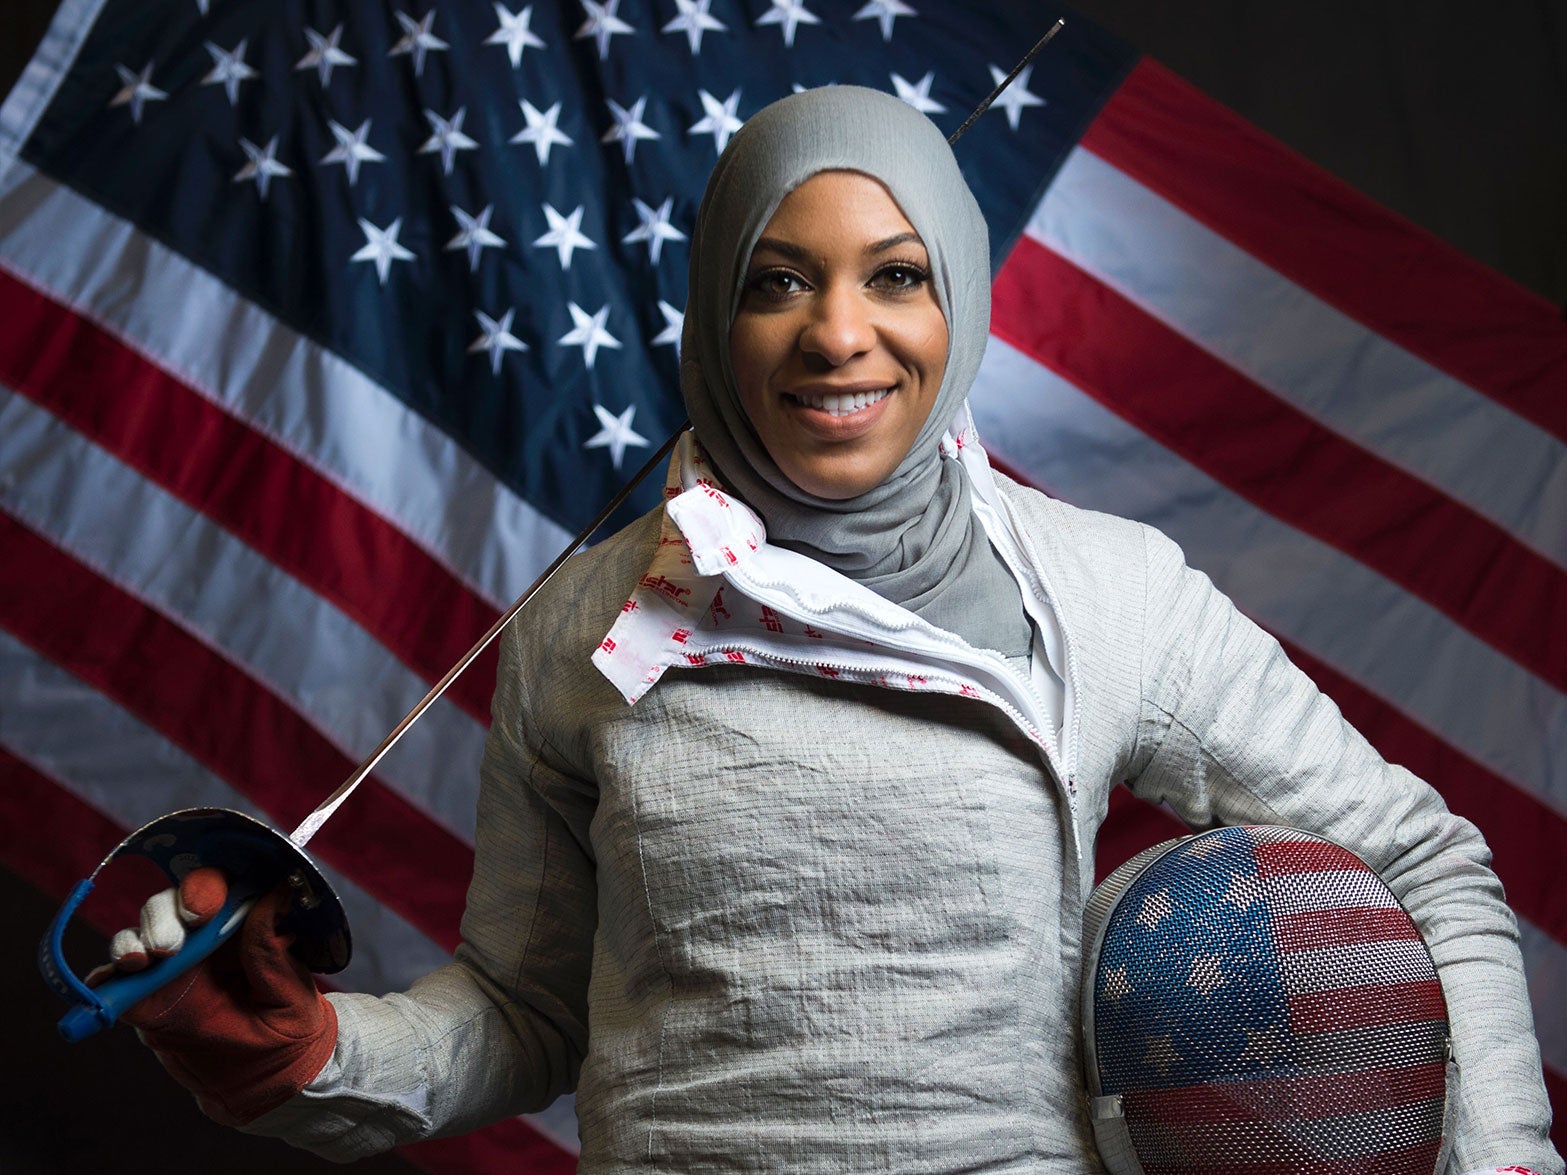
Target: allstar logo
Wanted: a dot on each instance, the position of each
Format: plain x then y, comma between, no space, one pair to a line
659,584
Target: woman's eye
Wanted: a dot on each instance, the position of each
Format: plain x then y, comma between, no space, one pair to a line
776,283
900,278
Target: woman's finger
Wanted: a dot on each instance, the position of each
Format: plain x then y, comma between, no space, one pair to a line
162,931
202,893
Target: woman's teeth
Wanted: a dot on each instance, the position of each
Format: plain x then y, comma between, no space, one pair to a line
843,404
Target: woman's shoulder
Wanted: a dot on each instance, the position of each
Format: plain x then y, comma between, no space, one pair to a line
586,594
1074,531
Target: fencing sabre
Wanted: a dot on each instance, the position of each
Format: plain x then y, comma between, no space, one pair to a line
257,858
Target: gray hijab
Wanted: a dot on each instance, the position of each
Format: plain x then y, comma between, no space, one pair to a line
914,539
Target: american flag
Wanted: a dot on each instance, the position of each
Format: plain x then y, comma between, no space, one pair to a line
324,325
1261,1002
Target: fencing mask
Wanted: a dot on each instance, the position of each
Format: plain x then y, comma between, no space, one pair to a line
1257,1000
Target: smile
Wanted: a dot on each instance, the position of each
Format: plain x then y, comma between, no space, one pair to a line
843,403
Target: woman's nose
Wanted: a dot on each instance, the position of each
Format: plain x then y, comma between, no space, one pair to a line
840,326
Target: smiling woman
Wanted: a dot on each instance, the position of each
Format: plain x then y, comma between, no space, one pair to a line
815,902
839,345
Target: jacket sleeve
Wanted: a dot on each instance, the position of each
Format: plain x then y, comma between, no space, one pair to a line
1232,733
502,1029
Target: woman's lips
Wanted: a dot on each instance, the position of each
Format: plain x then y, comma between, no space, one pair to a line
837,415
841,403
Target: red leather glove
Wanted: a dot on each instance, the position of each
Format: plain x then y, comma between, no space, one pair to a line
245,1029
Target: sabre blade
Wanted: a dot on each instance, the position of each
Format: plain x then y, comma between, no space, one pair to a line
323,811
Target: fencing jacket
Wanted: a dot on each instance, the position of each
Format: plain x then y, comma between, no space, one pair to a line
812,902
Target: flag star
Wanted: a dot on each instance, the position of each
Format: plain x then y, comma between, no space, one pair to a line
496,338
1207,973
475,235
602,24
381,247
790,14
446,136
1243,891
1015,98
1117,986
1156,908
262,165
565,237
351,149
655,228
514,33
1161,1053
589,333
541,130
417,40
918,95
1262,1048
720,121
615,433
693,21
629,126
136,89
674,323
885,12
324,55
228,69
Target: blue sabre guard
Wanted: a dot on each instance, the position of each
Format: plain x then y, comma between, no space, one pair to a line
255,859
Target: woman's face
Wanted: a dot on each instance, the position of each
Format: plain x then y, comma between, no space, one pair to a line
838,347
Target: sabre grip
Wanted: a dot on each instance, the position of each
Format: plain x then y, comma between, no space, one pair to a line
97,1008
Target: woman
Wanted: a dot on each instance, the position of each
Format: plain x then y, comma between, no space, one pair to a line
813,902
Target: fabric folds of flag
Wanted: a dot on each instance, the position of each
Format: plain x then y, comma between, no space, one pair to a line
323,327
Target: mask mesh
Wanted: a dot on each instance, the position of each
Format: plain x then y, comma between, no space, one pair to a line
1260,1002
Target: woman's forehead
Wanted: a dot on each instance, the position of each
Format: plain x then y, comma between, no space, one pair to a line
838,208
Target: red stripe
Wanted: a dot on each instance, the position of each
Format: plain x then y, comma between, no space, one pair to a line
234,725
1130,826
1282,461
1321,234
1530,838
1282,1099
1282,858
1316,929
30,802
221,466
1366,1007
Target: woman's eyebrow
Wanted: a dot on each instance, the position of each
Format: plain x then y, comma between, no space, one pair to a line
892,242
785,248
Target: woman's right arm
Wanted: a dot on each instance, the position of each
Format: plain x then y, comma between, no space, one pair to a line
503,1029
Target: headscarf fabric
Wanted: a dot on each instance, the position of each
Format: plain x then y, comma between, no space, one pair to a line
914,539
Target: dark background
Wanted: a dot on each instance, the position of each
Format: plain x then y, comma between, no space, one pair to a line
1454,115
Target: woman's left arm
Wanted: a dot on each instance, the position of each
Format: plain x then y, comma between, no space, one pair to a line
1241,736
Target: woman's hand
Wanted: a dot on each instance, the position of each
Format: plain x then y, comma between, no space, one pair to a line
245,1029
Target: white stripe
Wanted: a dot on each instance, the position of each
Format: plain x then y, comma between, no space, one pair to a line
1315,357
41,76
312,403
1365,626
1545,966
109,759
178,561
1334,889
1354,965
